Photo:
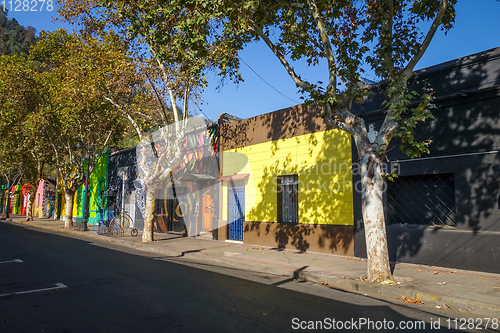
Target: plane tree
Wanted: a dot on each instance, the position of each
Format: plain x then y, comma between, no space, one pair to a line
386,38
170,82
23,148
77,71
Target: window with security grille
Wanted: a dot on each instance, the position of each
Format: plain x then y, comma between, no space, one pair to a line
423,200
288,198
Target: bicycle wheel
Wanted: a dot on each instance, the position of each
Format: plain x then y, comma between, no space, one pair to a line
115,230
125,220
100,226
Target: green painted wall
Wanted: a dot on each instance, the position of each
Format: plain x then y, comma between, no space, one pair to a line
17,199
97,184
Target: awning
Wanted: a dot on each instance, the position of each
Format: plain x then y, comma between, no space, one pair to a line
235,177
193,177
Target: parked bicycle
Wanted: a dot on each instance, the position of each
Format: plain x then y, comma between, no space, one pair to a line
105,223
125,221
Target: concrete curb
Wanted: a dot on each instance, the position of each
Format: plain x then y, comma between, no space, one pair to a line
330,280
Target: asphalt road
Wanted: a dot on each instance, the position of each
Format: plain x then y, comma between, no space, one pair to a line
72,284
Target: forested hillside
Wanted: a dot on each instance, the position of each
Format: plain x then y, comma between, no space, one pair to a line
14,38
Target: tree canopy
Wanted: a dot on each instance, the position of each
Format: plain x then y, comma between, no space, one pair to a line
78,73
14,38
384,37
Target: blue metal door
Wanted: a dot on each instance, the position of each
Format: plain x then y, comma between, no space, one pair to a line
236,213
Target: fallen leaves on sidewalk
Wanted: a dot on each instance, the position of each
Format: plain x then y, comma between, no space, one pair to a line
435,272
410,300
390,282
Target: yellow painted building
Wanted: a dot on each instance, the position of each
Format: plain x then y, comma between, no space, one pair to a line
60,200
294,191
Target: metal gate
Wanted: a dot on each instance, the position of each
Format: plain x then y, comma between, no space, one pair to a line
422,199
236,213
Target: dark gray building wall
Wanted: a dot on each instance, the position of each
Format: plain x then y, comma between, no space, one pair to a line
122,164
465,138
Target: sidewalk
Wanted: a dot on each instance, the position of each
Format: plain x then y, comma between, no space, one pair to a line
464,291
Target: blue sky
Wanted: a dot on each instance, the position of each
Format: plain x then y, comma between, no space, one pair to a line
477,29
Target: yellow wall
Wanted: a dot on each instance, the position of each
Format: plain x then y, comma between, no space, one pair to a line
323,162
75,204
63,198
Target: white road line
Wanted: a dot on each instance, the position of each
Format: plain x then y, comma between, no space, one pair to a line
6,262
59,285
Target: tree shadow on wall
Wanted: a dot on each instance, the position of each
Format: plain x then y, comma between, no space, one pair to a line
465,138
322,161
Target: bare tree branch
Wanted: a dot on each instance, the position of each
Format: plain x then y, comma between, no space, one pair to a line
129,117
163,114
186,102
430,34
298,81
327,47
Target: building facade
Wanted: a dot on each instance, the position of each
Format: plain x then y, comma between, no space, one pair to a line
4,192
44,202
98,183
185,202
16,197
286,182
444,207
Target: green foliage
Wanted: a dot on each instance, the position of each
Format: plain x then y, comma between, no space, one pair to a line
399,99
179,34
21,148
78,73
14,38
386,38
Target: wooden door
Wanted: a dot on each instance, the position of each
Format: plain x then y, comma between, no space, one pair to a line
208,211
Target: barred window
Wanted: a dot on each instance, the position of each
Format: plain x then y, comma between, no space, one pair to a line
288,198
422,199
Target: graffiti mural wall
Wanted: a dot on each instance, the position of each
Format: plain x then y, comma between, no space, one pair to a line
185,203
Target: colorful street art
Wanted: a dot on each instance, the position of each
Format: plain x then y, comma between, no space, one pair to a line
182,201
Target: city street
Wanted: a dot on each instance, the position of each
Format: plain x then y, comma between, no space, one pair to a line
54,283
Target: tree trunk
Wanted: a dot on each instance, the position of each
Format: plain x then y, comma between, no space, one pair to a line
29,209
373,217
149,215
68,218
6,212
